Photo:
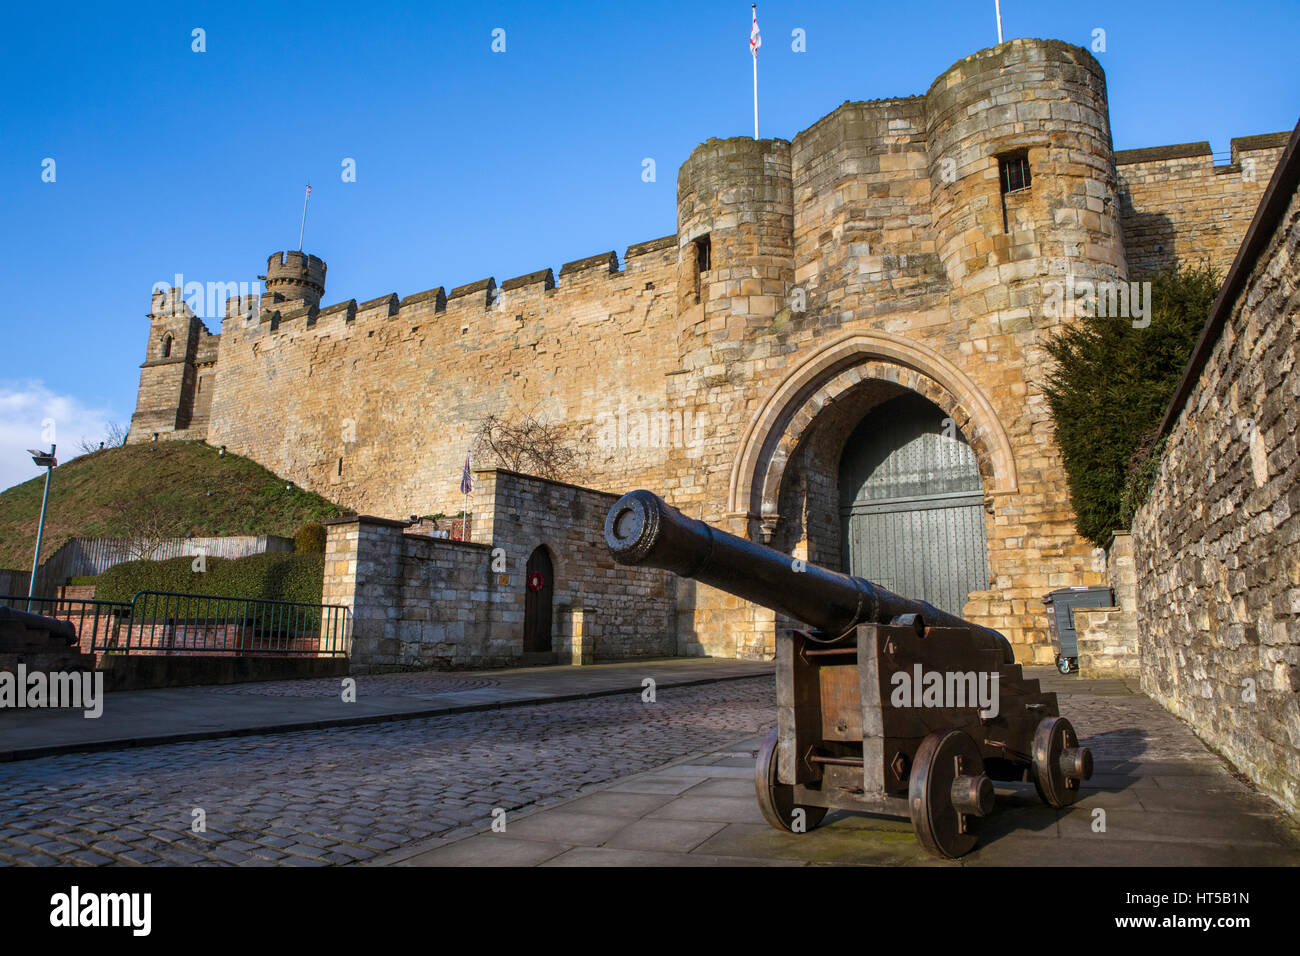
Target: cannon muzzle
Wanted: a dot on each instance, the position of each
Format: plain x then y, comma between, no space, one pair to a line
643,530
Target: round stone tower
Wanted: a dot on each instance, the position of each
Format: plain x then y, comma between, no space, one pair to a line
295,277
735,226
1022,179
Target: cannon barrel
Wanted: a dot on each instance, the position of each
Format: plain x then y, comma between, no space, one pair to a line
643,530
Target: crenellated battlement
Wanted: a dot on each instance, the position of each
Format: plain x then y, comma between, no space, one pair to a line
169,302
294,276
476,306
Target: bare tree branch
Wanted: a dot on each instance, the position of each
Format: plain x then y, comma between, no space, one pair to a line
143,529
528,445
114,437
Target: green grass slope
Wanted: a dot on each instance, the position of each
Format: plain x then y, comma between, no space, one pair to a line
187,485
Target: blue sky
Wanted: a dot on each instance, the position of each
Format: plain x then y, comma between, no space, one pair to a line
469,163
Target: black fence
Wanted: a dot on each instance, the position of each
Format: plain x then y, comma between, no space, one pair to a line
97,622
158,622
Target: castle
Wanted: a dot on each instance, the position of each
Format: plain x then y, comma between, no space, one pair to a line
839,352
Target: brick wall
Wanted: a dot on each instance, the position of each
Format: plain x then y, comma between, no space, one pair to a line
1217,544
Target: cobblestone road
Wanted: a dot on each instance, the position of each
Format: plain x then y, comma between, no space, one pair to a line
344,795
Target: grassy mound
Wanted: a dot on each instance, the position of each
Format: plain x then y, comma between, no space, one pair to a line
178,488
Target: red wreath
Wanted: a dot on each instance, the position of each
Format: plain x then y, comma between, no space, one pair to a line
536,581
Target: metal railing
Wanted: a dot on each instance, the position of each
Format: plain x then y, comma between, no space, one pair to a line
96,622
160,622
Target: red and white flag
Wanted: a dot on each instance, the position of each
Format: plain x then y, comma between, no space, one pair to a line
755,41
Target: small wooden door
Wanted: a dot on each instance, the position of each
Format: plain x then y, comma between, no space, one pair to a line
539,584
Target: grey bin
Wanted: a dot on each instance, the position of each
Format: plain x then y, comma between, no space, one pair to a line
1061,604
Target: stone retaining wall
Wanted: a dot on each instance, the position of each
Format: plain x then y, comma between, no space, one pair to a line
1217,544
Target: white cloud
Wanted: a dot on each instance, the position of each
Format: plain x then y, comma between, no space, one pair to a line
26,410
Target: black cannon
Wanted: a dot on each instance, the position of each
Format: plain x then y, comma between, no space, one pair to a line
884,705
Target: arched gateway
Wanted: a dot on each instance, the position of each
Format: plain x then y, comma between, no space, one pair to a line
878,456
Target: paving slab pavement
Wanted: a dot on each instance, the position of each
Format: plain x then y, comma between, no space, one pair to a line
153,717
1164,799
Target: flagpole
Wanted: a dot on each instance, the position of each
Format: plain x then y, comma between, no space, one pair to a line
465,485
997,6
754,7
303,225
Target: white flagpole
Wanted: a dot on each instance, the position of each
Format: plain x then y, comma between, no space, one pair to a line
997,5
305,197
755,58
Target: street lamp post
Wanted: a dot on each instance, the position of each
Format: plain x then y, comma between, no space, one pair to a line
47,461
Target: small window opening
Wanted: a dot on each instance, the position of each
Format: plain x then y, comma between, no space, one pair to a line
199,388
703,253
167,346
1013,173
340,467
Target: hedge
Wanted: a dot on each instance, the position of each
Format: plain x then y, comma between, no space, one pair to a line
1108,392
276,576
310,539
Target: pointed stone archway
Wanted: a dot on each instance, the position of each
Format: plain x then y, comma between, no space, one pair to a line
835,372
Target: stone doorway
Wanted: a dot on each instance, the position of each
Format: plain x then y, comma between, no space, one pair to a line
539,584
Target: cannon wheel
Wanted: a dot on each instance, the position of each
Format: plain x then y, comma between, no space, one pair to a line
1054,739
940,827
775,799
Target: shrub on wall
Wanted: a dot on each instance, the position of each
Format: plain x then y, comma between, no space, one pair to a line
310,539
1108,392
276,576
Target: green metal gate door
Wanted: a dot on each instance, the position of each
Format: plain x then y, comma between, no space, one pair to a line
911,504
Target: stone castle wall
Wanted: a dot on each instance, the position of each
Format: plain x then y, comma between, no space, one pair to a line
421,602
1178,206
723,367
1217,543
375,405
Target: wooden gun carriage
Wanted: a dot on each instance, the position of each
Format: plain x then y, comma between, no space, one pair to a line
879,707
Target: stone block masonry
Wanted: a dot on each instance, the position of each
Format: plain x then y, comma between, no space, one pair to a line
1217,543
1108,637
1177,205
422,602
